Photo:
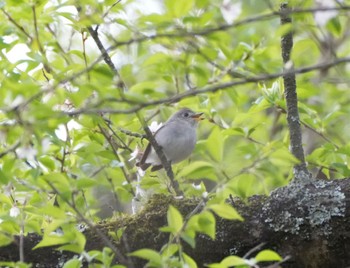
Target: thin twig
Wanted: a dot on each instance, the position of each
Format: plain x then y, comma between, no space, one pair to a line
313,130
114,147
11,149
132,134
17,25
320,134
254,249
110,8
83,39
124,145
278,264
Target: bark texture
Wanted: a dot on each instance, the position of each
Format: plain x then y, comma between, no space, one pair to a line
290,92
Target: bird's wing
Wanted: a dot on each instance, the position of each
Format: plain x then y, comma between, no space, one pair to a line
142,162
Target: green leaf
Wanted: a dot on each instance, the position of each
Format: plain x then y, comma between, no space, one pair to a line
156,58
189,261
148,254
73,263
215,144
175,220
170,250
58,180
77,242
244,185
53,211
179,8
144,87
283,157
51,240
135,97
189,238
105,256
225,211
5,239
198,170
342,168
48,162
211,53
4,178
334,26
18,264
233,261
84,183
230,261
71,239
207,224
268,255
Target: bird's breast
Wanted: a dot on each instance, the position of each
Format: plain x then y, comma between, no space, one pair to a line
177,143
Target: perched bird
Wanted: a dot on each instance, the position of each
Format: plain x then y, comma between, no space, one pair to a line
177,138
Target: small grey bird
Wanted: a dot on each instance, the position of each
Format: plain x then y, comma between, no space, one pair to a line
177,137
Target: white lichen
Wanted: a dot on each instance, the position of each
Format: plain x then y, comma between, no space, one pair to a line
315,204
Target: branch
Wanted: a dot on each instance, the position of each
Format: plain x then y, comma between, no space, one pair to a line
210,89
290,91
132,134
106,57
114,148
223,27
104,53
10,149
17,25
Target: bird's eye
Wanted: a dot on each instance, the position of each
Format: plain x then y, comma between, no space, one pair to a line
186,114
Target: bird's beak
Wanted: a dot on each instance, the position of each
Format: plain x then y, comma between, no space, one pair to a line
197,117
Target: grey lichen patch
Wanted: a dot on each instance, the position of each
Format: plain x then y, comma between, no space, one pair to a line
313,203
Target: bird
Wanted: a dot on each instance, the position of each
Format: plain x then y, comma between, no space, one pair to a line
177,138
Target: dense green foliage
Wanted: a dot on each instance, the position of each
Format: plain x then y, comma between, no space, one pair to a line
65,110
